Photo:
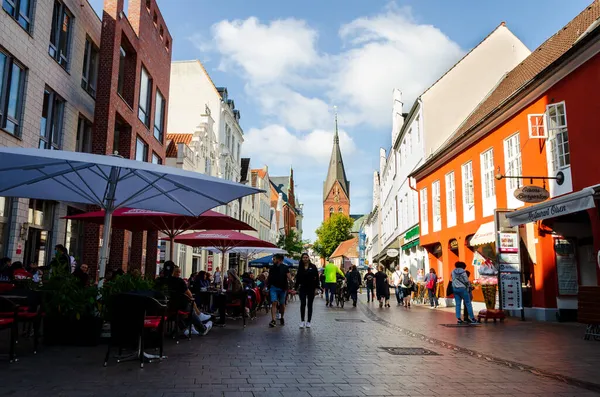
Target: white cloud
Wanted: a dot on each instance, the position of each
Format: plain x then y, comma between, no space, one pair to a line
276,145
387,51
266,52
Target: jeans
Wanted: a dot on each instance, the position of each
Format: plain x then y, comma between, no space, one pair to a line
432,298
370,293
460,295
399,296
306,297
329,292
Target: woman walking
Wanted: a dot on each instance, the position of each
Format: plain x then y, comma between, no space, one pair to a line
461,287
307,282
353,280
431,284
382,286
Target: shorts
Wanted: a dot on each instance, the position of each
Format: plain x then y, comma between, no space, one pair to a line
277,295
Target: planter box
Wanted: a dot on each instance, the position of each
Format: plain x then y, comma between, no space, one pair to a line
71,332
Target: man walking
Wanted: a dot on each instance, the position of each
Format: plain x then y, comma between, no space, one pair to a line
369,277
278,282
331,273
398,288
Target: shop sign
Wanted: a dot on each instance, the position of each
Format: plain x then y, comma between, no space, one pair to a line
392,253
509,242
511,291
509,263
412,234
531,194
209,263
453,244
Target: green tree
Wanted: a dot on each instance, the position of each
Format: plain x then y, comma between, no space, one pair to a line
291,243
331,233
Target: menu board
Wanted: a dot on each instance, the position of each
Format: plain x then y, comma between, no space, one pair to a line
511,291
509,242
566,267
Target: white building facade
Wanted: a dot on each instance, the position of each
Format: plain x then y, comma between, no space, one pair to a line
433,117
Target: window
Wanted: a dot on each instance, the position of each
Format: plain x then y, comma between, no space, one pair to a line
537,126
156,159
161,32
159,114
450,200
84,136
487,173
122,62
468,192
487,182
330,211
558,136
90,67
512,158
141,150
12,80
51,124
437,209
20,11
167,45
340,210
155,19
148,5
145,101
60,35
424,212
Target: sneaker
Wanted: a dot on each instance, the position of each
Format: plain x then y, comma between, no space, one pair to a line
204,317
273,324
281,321
474,321
302,324
460,322
207,327
308,324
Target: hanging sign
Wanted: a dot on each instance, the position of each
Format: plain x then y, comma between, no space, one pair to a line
392,253
531,194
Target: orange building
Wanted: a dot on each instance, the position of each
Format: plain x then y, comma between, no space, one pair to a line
539,121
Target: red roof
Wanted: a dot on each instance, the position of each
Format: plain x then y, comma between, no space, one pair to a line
175,139
348,248
533,65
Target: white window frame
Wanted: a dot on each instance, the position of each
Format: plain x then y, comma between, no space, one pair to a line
437,205
558,139
488,188
513,166
468,192
424,211
145,103
537,122
450,199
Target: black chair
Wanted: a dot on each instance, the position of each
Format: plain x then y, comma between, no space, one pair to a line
29,313
10,323
180,311
134,317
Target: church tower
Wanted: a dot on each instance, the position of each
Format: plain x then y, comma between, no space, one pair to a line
336,188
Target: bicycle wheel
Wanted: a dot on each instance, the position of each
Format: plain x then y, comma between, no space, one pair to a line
342,303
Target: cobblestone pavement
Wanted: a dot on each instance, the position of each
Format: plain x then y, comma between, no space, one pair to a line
340,356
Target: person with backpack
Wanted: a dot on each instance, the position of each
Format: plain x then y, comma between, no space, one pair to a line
353,280
431,284
369,281
407,284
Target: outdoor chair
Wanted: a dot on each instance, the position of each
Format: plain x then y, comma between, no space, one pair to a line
29,313
10,323
238,303
178,318
134,318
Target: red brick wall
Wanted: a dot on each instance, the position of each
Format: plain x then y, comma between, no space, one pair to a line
139,31
330,201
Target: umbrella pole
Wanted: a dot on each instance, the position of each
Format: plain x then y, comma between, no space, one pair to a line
171,247
222,267
105,242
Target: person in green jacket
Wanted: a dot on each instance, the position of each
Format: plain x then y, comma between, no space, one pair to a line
331,272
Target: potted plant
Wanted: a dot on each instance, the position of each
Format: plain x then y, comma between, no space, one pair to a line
72,316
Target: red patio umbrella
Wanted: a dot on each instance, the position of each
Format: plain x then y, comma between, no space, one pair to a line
170,224
223,241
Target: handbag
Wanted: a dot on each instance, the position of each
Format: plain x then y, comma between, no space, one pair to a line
449,290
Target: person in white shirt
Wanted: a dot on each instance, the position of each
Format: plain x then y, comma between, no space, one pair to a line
396,281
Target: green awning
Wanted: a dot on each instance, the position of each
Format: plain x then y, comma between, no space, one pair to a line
412,233
413,243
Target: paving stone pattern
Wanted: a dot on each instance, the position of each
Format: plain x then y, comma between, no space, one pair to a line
331,359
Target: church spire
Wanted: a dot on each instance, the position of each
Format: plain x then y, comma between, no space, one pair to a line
336,172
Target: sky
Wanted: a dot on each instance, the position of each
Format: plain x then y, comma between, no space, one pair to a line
287,64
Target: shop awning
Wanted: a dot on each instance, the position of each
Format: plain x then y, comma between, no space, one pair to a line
486,234
407,246
567,204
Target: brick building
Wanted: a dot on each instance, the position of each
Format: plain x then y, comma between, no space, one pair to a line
336,188
48,90
131,111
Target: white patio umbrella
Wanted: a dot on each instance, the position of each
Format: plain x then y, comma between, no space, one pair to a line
250,253
111,182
